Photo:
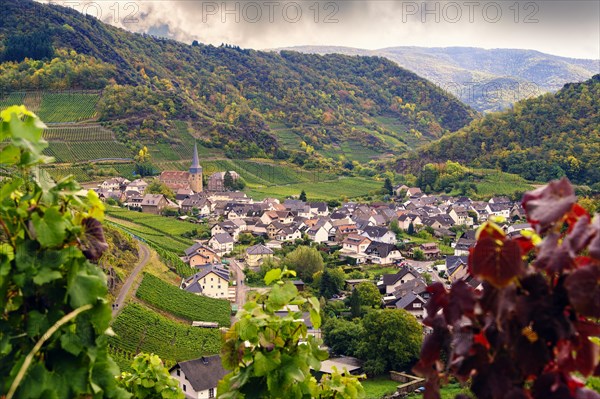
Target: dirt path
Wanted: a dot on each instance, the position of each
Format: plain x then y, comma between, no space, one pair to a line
144,254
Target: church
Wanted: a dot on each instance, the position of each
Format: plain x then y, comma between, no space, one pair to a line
191,180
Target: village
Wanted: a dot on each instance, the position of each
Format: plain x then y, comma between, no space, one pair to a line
412,240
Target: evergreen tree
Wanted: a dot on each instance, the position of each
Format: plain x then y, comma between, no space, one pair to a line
411,229
228,181
355,303
387,186
303,196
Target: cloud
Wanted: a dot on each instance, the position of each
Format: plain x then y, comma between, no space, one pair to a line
563,27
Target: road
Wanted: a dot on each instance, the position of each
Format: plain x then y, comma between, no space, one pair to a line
144,254
240,288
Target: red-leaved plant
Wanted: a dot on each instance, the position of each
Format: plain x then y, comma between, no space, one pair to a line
526,334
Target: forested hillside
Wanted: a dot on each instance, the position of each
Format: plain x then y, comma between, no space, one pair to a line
540,139
486,79
230,96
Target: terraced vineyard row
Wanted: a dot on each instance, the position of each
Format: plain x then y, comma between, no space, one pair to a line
182,303
138,329
11,99
67,107
86,151
82,175
78,133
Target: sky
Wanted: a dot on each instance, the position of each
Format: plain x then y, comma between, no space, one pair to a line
560,27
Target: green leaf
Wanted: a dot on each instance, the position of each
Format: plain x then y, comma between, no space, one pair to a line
263,364
10,155
45,275
315,318
50,229
272,275
247,330
85,289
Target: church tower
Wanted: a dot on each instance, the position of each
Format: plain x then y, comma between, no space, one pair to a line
196,173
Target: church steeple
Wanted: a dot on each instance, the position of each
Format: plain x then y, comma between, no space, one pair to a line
196,172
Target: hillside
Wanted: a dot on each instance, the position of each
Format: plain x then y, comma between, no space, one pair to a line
540,139
487,80
244,102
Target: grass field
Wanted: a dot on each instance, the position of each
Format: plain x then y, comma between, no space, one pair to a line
377,387
139,329
183,304
350,187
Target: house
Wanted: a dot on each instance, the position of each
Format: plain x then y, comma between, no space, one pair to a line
460,216
494,209
383,253
379,234
463,245
391,282
355,243
198,378
116,183
197,203
340,231
222,243
456,267
257,254
413,304
138,185
319,208
318,234
417,286
288,233
216,181
199,254
153,203
212,281
430,250
401,190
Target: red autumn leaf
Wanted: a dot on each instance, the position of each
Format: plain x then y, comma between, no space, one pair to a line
594,247
546,205
461,302
438,300
583,288
496,262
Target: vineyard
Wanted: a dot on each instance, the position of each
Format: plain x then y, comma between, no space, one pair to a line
181,147
182,303
138,329
87,151
84,174
11,99
79,133
67,107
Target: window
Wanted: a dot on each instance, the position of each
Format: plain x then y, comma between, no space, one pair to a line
178,373
184,388
219,287
211,393
211,279
417,305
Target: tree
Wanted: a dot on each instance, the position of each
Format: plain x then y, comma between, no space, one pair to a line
411,229
53,299
418,255
306,261
391,341
158,187
332,282
263,350
388,188
302,196
427,277
341,336
228,180
530,332
355,309
369,294
394,226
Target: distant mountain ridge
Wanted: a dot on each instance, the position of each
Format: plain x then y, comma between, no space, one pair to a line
487,80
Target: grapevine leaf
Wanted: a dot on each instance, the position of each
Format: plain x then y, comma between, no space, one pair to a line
584,290
272,275
93,243
45,275
263,364
546,205
594,248
460,302
49,229
86,289
495,261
